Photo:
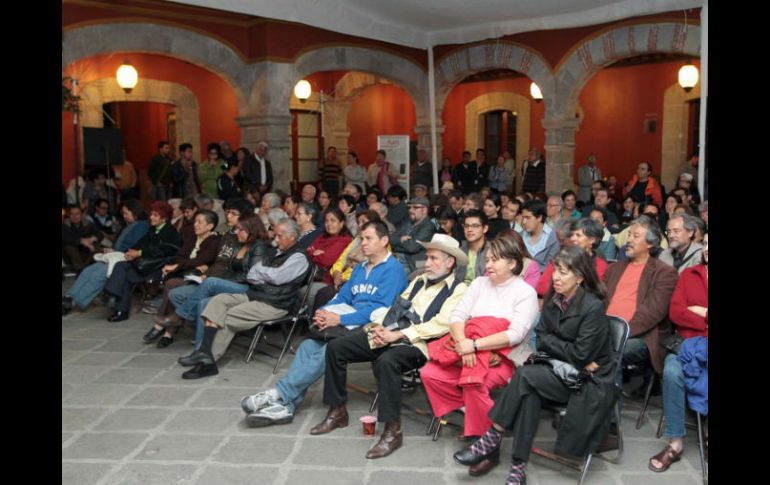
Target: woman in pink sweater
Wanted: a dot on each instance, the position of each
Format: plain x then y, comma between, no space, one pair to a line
502,293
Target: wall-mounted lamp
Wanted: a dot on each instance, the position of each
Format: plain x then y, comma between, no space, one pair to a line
302,91
534,90
127,76
688,76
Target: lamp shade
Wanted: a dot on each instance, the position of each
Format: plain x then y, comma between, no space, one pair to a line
302,90
688,77
127,77
534,90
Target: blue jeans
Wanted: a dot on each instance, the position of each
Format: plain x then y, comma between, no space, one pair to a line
532,335
673,396
636,352
307,367
88,285
190,303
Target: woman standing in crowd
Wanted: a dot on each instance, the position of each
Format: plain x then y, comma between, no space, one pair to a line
354,172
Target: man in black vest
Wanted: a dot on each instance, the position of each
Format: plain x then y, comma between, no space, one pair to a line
274,284
433,296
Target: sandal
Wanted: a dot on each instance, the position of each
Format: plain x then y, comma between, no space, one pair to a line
666,458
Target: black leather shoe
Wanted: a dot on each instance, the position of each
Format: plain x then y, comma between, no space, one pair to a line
152,335
118,317
469,458
195,358
165,342
201,370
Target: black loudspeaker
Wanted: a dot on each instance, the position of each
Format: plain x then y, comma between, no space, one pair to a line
101,143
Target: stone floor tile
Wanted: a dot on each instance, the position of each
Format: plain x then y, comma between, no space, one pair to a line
262,450
103,445
404,478
223,475
100,394
83,473
175,447
133,419
129,375
99,358
204,421
153,474
162,396
79,419
325,477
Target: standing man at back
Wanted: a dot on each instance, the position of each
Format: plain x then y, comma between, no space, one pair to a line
422,171
466,174
257,170
534,173
587,175
160,172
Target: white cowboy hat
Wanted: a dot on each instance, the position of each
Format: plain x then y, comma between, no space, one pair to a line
447,244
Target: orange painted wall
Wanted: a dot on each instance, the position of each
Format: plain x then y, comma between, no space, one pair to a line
616,102
139,122
216,99
379,110
462,94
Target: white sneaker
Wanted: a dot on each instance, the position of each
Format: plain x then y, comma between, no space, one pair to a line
252,404
276,413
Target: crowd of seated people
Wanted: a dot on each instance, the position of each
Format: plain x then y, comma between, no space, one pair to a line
456,285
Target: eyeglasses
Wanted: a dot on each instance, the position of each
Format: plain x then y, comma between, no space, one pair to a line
472,226
240,228
232,212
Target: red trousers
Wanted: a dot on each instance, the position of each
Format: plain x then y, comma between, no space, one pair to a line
445,395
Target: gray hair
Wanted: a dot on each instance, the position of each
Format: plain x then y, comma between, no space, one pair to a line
380,208
556,198
590,228
274,216
290,225
563,226
263,143
273,199
703,207
687,220
309,209
653,231
203,199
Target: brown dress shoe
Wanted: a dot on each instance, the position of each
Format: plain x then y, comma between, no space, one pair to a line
485,466
390,441
337,417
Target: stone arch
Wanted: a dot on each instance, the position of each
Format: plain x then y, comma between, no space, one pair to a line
401,71
95,93
352,83
674,134
201,50
484,56
603,48
493,101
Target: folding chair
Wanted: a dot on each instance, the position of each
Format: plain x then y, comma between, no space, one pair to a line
619,334
299,311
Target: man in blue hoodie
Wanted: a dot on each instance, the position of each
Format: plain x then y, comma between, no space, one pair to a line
375,283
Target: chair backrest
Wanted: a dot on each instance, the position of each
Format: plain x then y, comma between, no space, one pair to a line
619,331
306,293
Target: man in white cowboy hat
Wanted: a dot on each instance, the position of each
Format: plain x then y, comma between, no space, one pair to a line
396,348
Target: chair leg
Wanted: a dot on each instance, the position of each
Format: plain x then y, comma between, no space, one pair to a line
374,403
286,345
619,459
254,341
659,432
704,473
585,469
640,419
438,428
430,425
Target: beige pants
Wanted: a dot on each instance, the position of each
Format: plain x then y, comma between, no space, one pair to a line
235,313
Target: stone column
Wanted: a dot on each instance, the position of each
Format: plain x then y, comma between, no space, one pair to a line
274,129
423,137
560,154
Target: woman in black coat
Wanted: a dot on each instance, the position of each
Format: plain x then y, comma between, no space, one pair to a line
574,329
160,243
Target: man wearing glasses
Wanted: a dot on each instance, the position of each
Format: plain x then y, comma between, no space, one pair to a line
475,246
683,252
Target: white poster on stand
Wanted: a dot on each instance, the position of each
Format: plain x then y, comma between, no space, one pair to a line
397,149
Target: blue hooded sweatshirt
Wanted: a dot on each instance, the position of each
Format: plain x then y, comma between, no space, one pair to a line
367,293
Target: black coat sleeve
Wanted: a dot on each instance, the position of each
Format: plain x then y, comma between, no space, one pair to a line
592,334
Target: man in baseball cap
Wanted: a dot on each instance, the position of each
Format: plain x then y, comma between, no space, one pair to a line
431,297
406,247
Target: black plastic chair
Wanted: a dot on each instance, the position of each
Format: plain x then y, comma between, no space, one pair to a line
619,331
299,311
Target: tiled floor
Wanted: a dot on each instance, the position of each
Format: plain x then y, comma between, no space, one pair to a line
129,418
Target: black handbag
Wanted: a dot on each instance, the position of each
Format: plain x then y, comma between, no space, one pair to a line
147,266
672,343
566,372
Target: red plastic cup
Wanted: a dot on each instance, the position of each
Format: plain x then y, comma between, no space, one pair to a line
369,422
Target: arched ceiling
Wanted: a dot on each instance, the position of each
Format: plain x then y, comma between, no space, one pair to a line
423,23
